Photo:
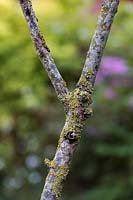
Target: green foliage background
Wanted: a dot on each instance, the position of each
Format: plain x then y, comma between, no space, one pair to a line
31,117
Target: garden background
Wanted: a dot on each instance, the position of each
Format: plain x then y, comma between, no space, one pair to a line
31,117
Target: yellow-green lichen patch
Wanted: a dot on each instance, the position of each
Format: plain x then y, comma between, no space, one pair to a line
90,73
88,113
84,97
78,103
71,129
83,81
50,163
60,176
59,173
73,123
85,84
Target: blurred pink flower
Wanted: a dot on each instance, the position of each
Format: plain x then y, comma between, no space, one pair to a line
96,6
112,66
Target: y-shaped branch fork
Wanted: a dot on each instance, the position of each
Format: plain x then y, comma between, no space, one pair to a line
76,103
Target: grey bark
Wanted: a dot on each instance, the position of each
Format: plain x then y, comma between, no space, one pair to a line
42,49
94,55
76,103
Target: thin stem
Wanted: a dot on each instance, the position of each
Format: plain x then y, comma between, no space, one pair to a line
94,55
42,49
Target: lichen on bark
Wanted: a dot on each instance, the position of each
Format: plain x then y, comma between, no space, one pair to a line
59,173
76,103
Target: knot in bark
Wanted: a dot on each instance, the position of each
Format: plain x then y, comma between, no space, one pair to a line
72,137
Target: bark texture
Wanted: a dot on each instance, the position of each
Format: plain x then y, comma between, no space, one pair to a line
42,49
94,55
76,103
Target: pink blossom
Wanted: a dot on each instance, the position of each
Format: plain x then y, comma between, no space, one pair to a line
112,66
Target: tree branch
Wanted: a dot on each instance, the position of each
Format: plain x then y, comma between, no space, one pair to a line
76,103
42,49
94,55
